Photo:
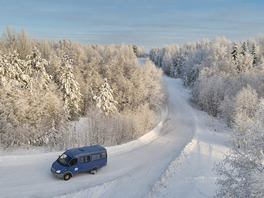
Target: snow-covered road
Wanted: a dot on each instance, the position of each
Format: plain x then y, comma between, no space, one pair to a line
135,169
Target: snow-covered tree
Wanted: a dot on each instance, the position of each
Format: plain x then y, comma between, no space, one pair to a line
135,49
69,87
246,102
169,59
9,40
254,53
45,49
241,173
153,55
12,68
23,44
234,52
244,49
28,116
36,68
138,51
141,52
244,62
105,100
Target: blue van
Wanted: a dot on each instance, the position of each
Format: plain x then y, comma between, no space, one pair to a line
79,160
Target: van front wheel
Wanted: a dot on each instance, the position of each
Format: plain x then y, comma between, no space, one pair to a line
67,176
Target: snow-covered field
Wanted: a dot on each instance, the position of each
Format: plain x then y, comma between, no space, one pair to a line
175,159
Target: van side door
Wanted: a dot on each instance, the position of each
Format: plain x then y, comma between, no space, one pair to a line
73,166
84,163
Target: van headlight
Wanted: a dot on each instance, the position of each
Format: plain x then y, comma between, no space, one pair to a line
58,171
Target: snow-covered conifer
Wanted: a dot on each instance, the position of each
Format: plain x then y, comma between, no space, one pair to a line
254,53
69,87
244,49
104,99
244,60
35,68
153,55
135,49
12,68
234,52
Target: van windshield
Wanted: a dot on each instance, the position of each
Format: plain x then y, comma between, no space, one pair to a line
64,159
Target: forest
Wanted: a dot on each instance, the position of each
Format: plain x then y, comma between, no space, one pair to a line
226,80
47,86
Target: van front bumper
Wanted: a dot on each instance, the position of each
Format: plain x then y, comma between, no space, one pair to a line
60,175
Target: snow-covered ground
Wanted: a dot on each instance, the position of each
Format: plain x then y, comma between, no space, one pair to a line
191,174
175,159
142,60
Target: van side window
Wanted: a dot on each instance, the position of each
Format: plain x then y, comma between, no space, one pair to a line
103,155
84,159
73,162
96,157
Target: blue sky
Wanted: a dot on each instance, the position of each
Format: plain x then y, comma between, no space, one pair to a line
148,23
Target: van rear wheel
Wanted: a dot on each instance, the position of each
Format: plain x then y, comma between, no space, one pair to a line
67,176
94,170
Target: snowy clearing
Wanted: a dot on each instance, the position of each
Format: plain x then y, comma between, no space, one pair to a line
175,159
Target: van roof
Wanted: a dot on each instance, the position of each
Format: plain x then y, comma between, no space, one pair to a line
84,150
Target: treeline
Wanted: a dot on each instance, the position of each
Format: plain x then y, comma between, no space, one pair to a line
46,86
226,79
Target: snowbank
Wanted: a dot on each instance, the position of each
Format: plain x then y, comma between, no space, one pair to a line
191,174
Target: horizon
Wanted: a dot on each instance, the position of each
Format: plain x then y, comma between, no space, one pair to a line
146,24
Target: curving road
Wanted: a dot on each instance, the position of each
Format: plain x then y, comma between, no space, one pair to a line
132,168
